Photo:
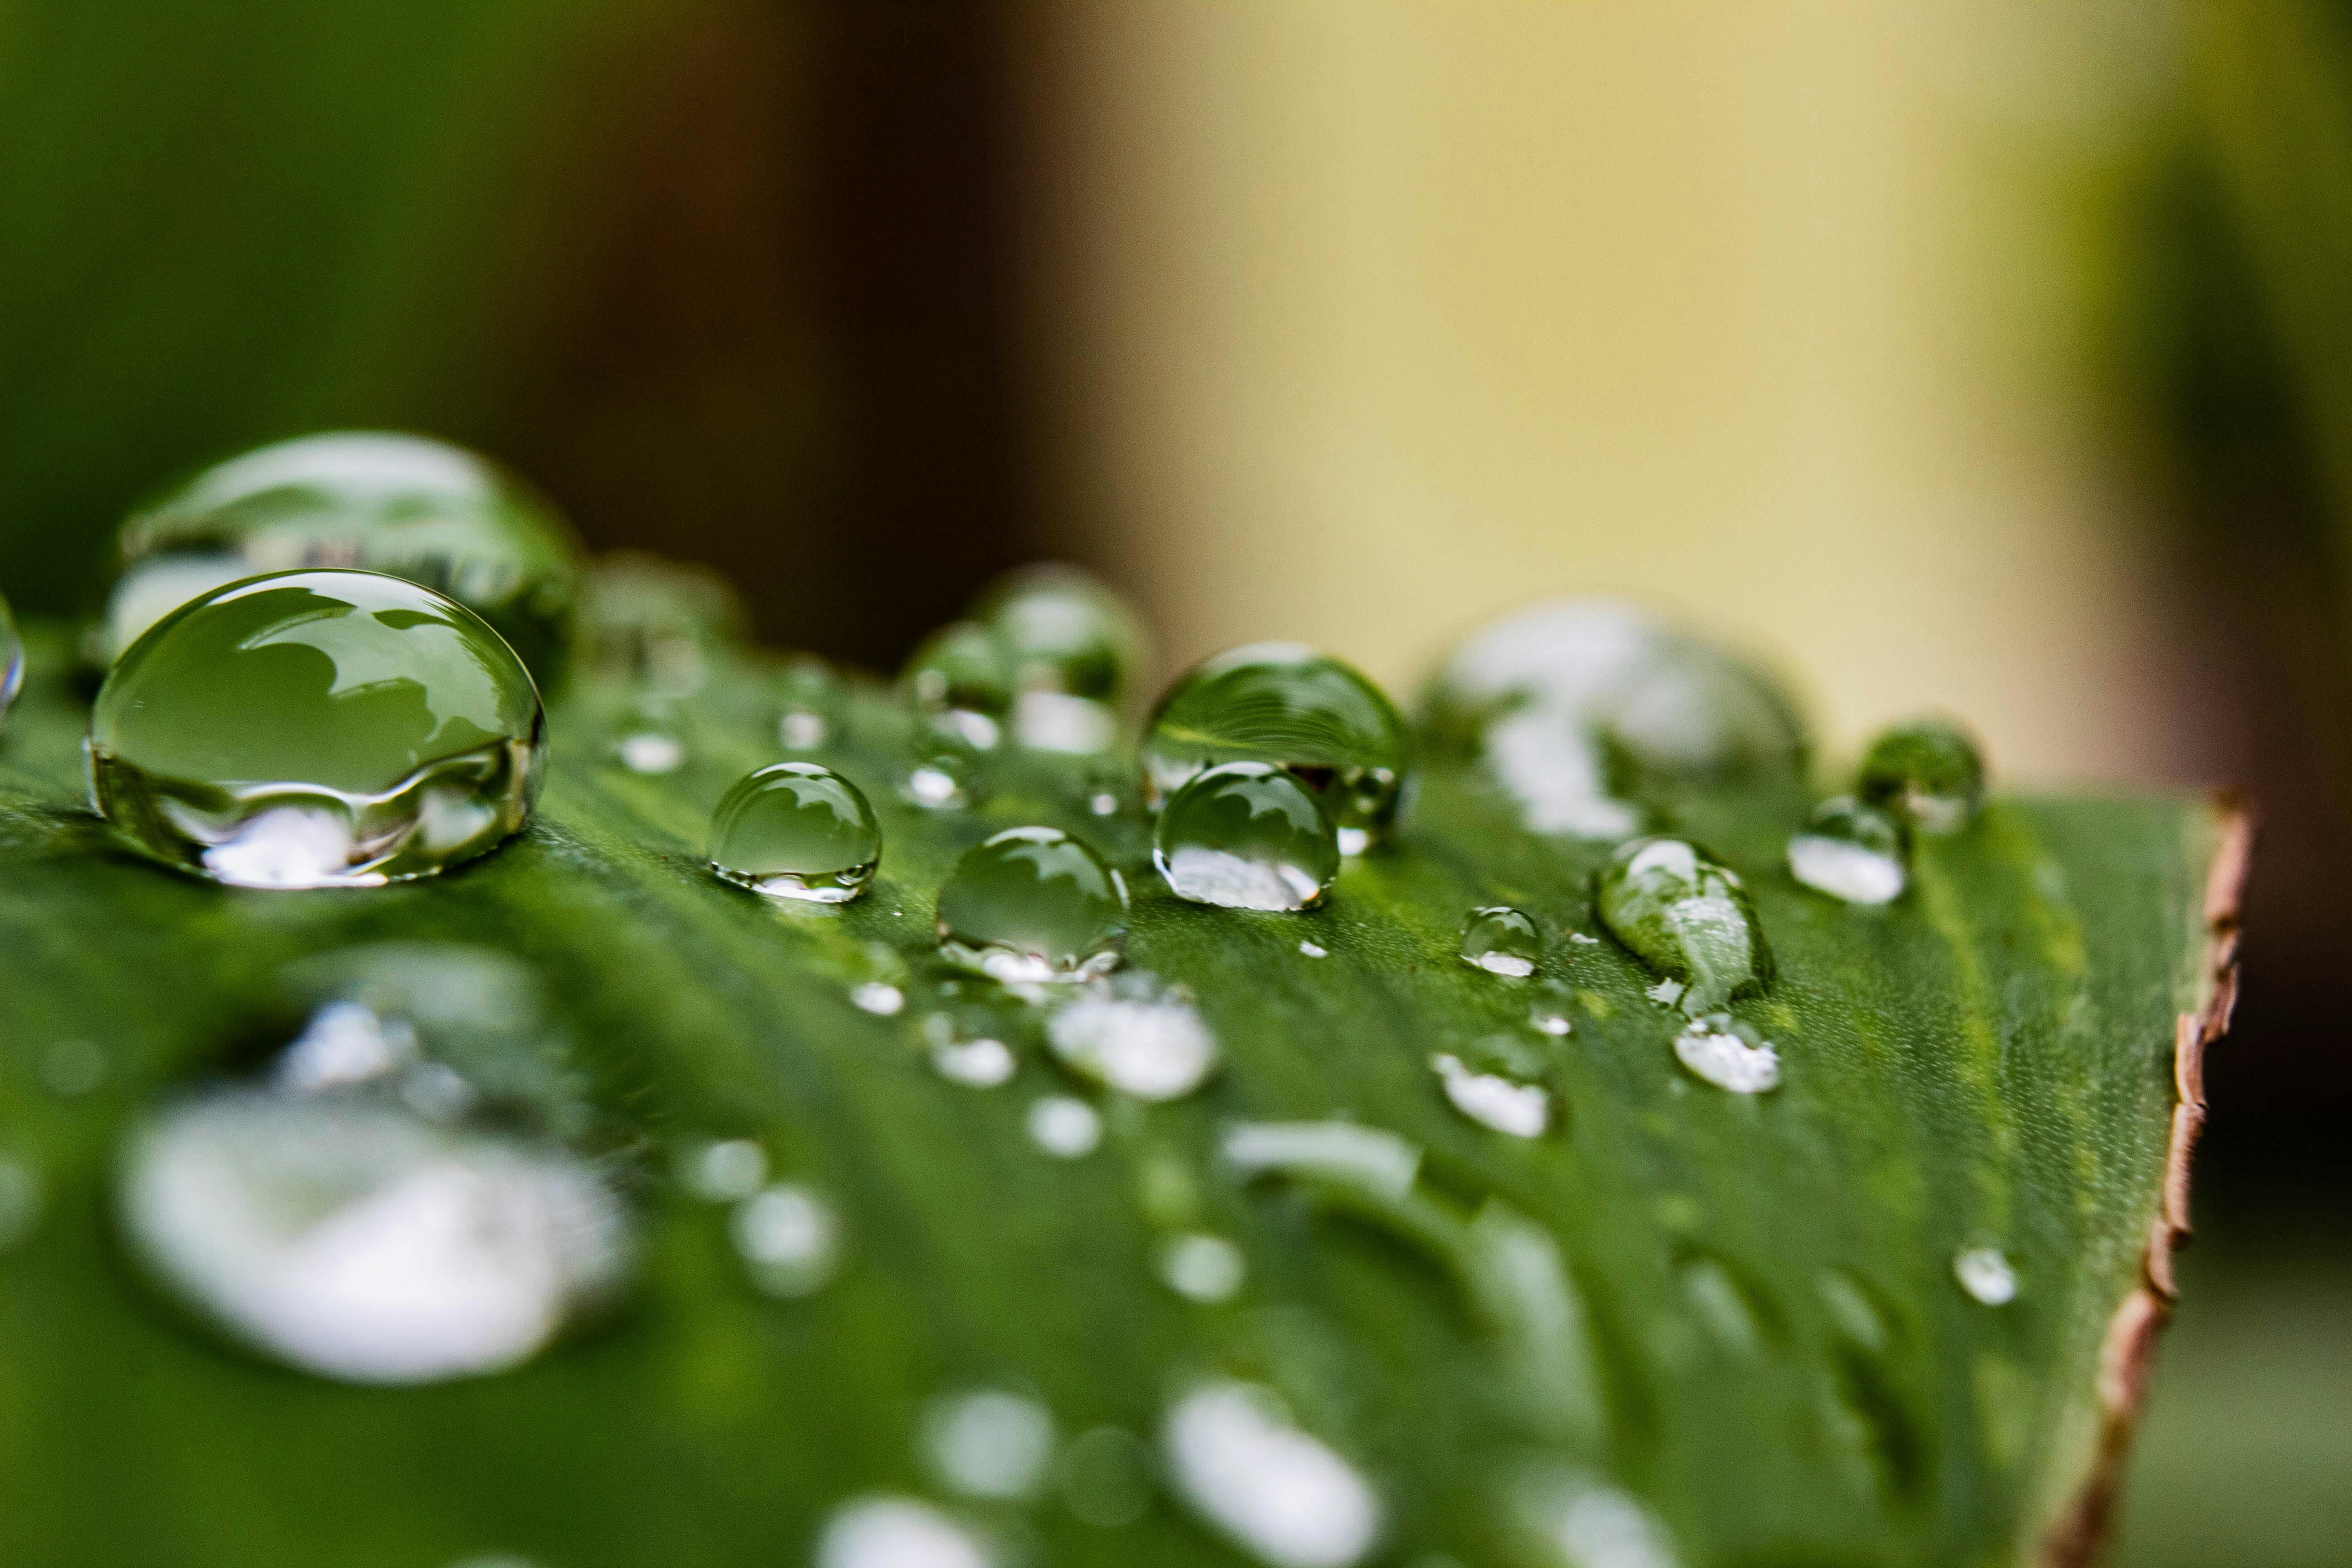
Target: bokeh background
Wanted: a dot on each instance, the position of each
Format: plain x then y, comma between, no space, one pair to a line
1992,354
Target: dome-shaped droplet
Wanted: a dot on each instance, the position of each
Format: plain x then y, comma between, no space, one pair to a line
1298,708
1729,1054
1492,1098
1929,772
1850,851
649,736
1136,1036
812,704
421,509
796,830
317,729
657,624
959,680
1502,941
1032,904
1247,835
12,658
1072,647
1986,1273
942,772
1688,916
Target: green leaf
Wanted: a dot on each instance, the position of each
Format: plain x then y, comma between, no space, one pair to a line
1739,1309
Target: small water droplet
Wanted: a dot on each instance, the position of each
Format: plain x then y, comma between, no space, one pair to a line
1501,940
1547,1010
1929,771
981,1062
20,1199
1729,1054
1297,709
879,997
1686,915
1246,836
316,730
886,1531
796,831
1288,1499
959,681
725,1171
1521,1109
789,1239
1107,1478
1850,851
12,656
1065,634
649,737
1581,938
943,776
659,626
1136,1036
1986,1274
72,1069
1313,950
988,1442
1584,1522
1203,1267
811,706
1031,905
1064,1127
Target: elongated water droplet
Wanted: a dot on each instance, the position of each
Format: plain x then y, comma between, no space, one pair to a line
1729,1052
1314,949
1066,1128
959,681
1032,904
415,509
885,1532
1929,772
1686,915
1850,851
1298,708
1202,1268
12,658
1502,941
988,1442
657,624
1136,1036
789,1239
811,706
1581,1521
1284,1497
1246,836
317,729
1986,1274
1521,1109
798,831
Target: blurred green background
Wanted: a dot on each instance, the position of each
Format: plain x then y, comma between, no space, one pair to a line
1974,352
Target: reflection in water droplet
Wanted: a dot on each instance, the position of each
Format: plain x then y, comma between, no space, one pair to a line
1234,1454
314,729
1066,1128
988,1443
1584,1522
345,1236
1502,941
796,831
883,1532
727,1170
20,1199
811,706
1729,1054
1985,1273
1203,1267
1136,1036
12,656
1107,1478
1688,916
1246,836
1298,708
1929,772
1314,950
789,1239
1031,905
1521,1109
878,998
979,1063
1850,851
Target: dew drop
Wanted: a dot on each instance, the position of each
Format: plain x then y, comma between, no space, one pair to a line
1294,708
1929,772
650,738
1064,1127
12,658
1686,915
789,1239
1548,1013
1850,851
1064,633
1313,950
1729,1054
1285,1498
659,626
1202,1268
316,730
960,682
1501,940
725,1171
1031,905
988,1443
943,776
1521,1109
1246,836
811,706
1986,1274
982,1062
796,831
886,1531
879,997
1135,1035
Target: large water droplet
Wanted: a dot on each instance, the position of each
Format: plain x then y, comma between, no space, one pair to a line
658,625
1285,1498
1929,771
1850,851
1491,1100
1064,632
1136,1036
796,830
884,1531
424,510
1985,1272
789,1239
988,1442
1246,836
1298,708
1502,941
1032,904
317,729
12,658
1686,915
1729,1054
959,680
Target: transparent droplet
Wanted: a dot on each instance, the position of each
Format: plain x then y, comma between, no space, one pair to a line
988,1442
1136,1036
1850,851
1686,915
650,737
789,1239
1107,1478
1929,772
1064,633
942,774
1202,1268
1234,1455
1501,940
959,680
1066,1128
725,1171
812,704
1031,905
1549,1009
879,997
1491,1100
798,831
1581,1521
317,729
20,1199
1297,709
12,658
1314,949
1985,1272
885,1532
1246,836
659,626
1729,1054
424,510
981,1061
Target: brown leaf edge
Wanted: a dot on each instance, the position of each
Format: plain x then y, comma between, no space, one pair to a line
2075,1536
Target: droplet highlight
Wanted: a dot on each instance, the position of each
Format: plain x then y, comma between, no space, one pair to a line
1064,1127
988,1442
1235,1456
1850,851
1203,1267
12,658
1520,1109
1729,1052
1031,905
789,1239
1985,1272
1246,836
1686,915
1136,1036
885,1532
796,831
